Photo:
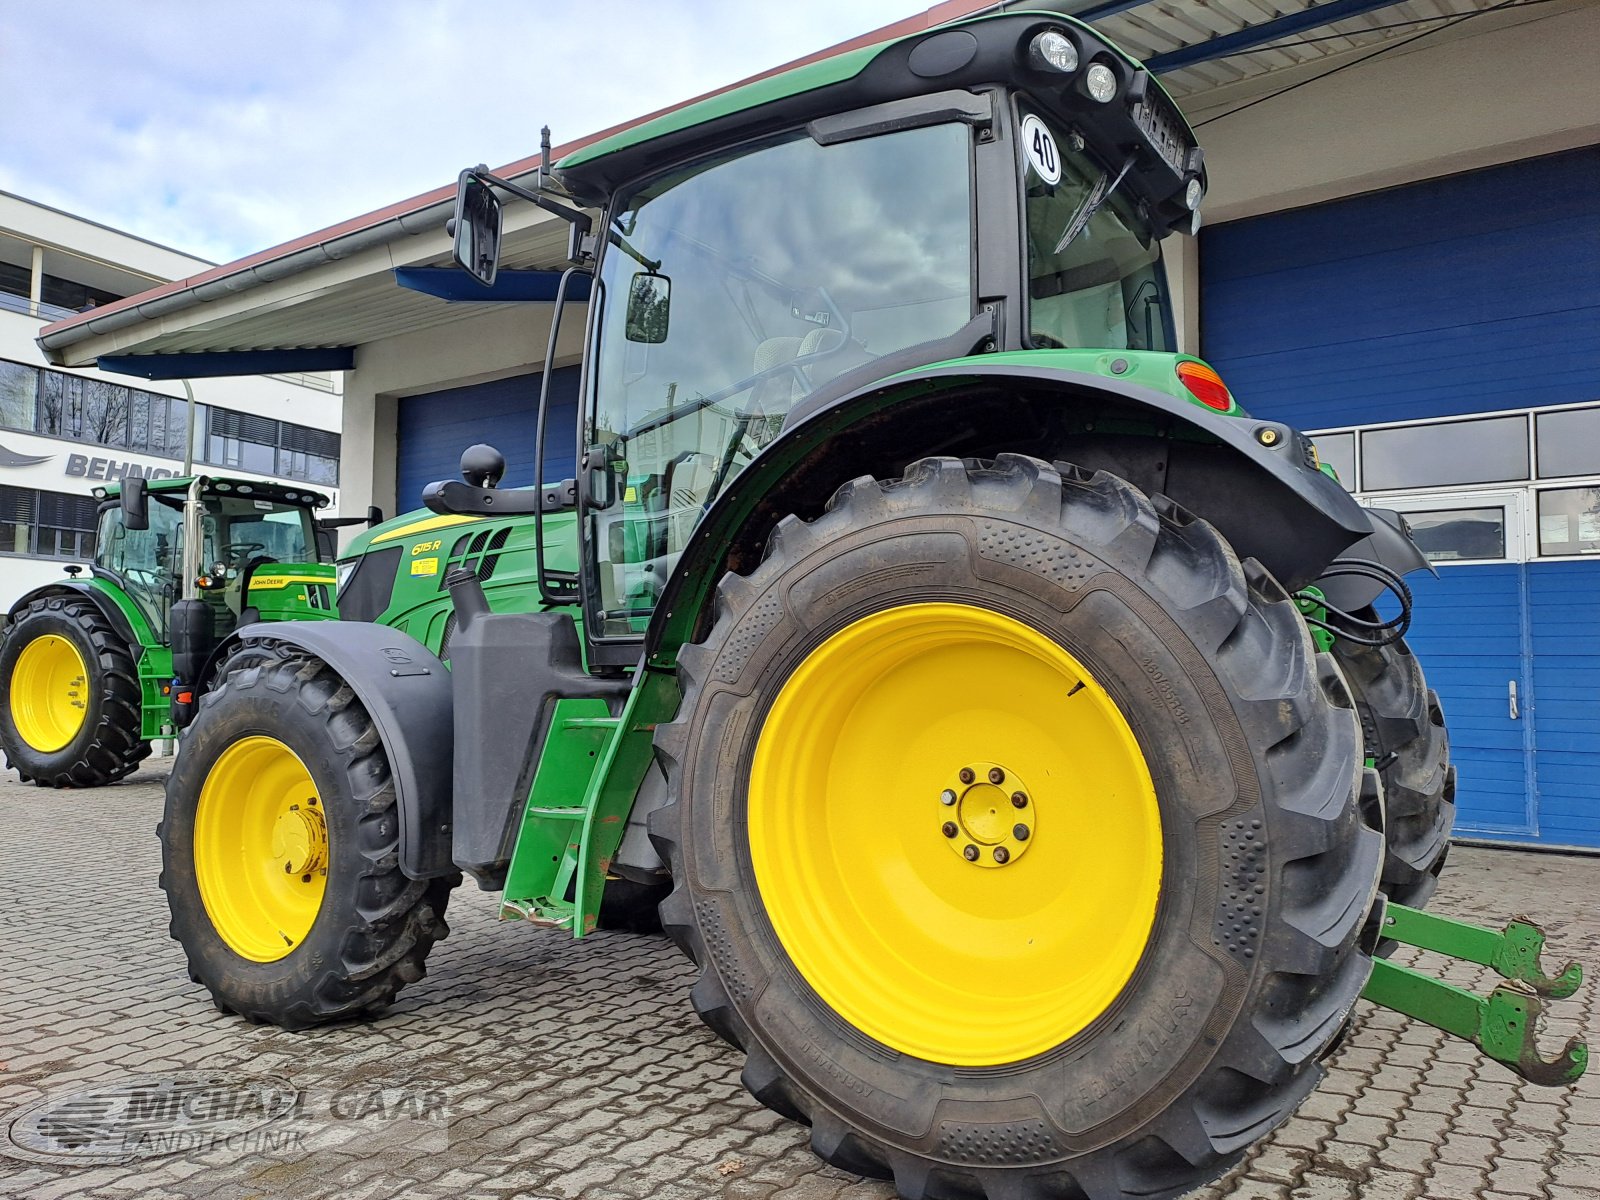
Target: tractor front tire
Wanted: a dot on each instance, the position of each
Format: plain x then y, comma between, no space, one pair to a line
1016,830
280,852
72,712
1402,727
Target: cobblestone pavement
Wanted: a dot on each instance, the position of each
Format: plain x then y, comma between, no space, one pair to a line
573,1069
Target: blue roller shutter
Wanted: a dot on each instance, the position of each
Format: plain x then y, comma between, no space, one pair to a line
1471,293
1464,294
433,429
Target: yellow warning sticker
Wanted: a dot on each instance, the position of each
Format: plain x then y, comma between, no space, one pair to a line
631,496
425,566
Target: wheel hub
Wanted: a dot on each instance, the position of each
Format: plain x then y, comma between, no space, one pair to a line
300,839
986,815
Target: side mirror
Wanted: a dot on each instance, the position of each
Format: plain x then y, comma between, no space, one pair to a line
476,227
135,504
482,466
649,307
374,515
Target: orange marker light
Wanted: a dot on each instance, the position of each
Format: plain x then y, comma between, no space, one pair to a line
1205,385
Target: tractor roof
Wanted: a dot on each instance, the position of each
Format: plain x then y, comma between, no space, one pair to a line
228,485
850,79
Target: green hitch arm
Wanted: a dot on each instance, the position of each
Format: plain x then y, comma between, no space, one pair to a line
1505,1023
1514,953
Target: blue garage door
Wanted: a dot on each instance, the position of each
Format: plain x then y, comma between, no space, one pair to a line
1384,316
1465,294
433,429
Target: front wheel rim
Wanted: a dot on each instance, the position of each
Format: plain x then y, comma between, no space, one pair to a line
49,693
261,848
955,834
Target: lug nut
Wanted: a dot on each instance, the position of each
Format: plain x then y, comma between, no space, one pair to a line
1001,855
1020,832
949,828
996,775
970,853
967,775
947,797
1019,800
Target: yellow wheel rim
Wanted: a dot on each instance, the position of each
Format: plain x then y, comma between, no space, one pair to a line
879,743
49,693
261,848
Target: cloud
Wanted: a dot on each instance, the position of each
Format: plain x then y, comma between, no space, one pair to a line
224,128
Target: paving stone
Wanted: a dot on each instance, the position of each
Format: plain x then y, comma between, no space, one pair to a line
578,1069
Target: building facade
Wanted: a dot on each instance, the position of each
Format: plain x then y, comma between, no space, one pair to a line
65,431
1401,254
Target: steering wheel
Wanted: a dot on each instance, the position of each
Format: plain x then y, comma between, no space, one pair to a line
239,552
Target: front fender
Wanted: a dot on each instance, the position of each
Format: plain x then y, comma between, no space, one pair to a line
406,692
99,596
1257,481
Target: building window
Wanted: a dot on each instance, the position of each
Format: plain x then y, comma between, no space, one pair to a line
78,408
1569,521
46,524
1489,450
1338,450
1568,442
1448,534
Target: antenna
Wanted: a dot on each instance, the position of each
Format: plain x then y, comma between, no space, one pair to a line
544,150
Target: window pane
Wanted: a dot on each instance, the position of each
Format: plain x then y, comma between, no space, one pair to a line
1446,534
19,387
1488,451
1338,450
105,412
1569,442
139,420
1569,521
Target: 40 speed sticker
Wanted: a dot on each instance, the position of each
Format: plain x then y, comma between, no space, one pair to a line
1039,144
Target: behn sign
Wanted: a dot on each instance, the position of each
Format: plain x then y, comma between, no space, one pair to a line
113,469
84,466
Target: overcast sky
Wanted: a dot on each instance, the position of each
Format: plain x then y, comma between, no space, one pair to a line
221,127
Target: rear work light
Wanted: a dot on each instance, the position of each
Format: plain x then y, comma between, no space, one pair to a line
1205,385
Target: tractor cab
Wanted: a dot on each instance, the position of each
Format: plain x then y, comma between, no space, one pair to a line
221,534
1001,187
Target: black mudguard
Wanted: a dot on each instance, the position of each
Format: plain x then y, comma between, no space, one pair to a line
406,692
1257,481
1390,545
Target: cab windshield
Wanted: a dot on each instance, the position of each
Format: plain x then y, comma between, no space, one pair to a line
1094,269
732,290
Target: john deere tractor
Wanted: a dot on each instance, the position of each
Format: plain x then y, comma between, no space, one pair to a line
93,669
1026,732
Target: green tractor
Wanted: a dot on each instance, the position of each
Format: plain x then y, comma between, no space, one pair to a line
94,669
1035,761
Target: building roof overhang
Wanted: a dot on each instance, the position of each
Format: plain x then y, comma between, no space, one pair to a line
336,289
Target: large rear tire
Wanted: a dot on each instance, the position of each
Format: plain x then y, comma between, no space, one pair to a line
1111,986
72,712
280,852
1403,730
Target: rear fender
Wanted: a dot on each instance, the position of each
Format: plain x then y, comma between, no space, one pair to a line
1257,481
406,692
1390,545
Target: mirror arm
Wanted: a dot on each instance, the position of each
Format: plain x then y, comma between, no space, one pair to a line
572,215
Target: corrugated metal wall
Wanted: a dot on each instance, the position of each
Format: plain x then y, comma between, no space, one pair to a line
1473,293
433,429
1464,294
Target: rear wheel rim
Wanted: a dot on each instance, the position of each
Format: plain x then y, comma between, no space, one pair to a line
261,848
997,941
49,693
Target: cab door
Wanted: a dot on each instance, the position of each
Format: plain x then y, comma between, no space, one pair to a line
1472,634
